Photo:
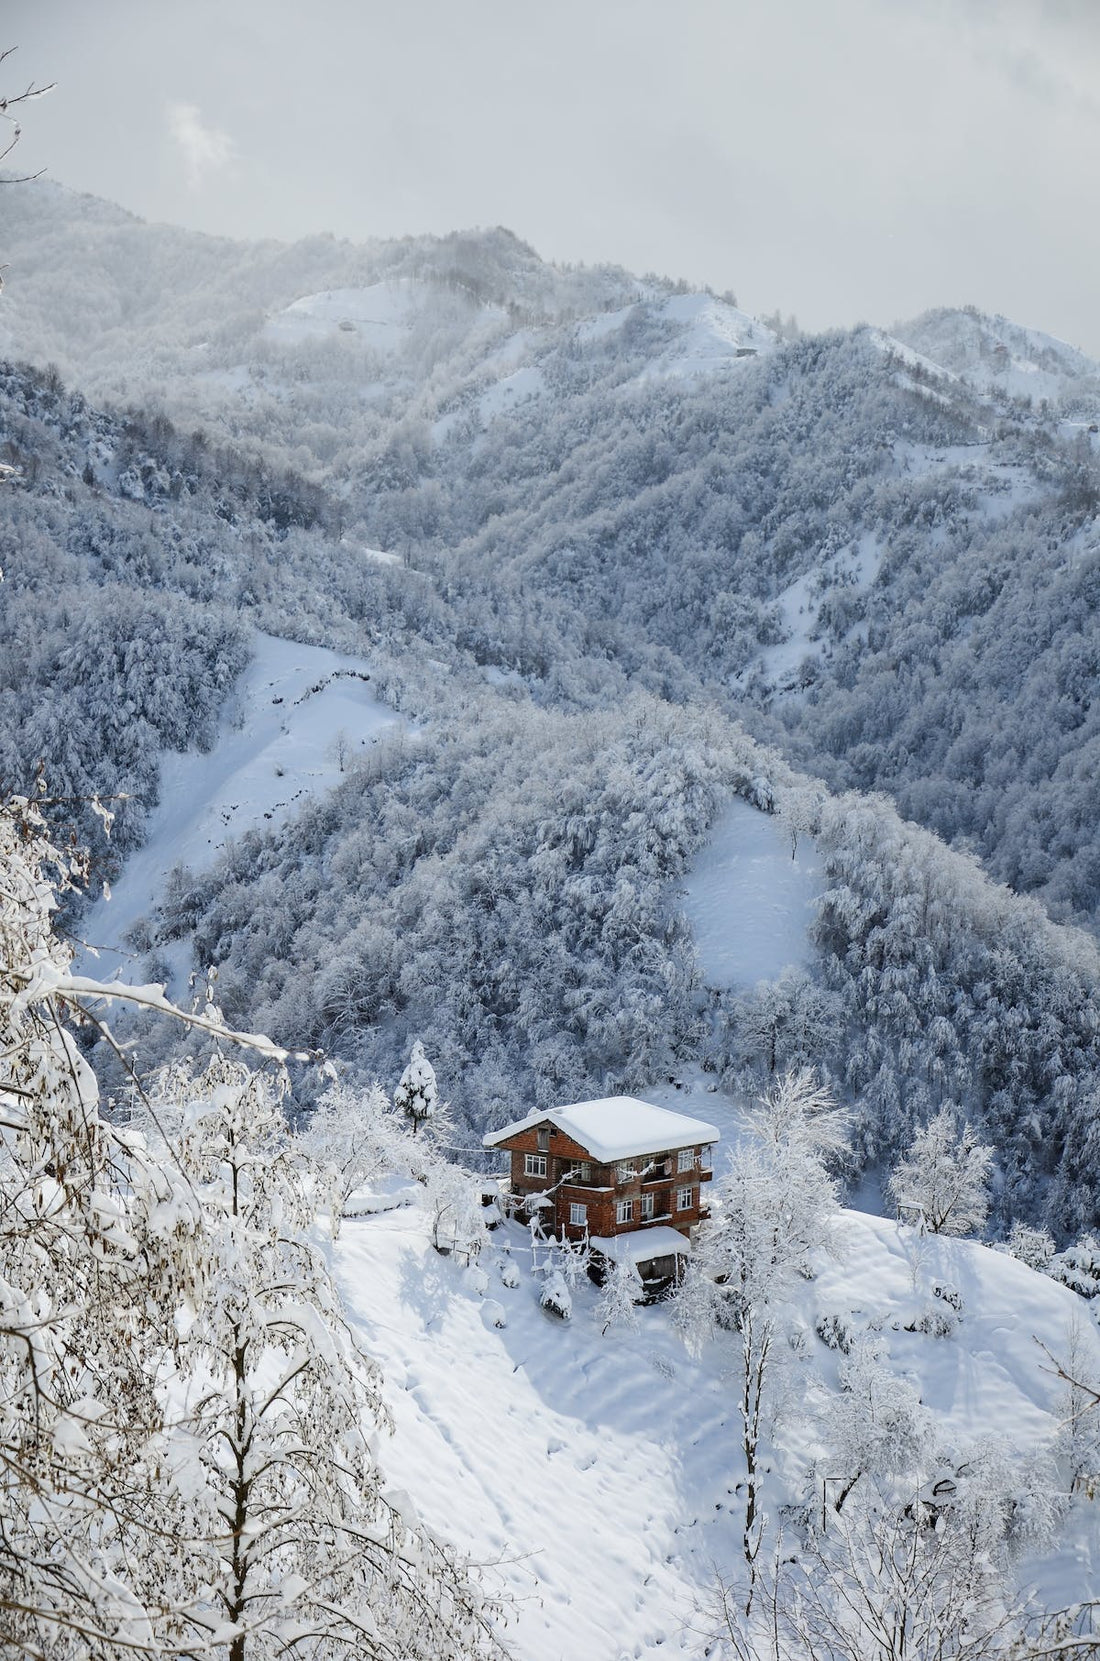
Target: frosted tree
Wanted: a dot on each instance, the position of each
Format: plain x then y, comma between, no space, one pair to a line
458,1216
889,1579
352,1136
10,113
771,1214
798,1120
297,1547
173,1364
80,1325
943,1181
875,1427
619,1297
417,1094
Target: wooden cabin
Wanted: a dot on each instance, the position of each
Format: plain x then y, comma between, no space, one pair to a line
610,1172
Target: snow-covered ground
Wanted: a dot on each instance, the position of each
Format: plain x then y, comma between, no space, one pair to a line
379,315
994,354
297,713
749,903
600,1472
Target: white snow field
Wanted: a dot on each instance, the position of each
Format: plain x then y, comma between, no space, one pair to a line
749,903
715,336
295,710
994,354
379,315
599,1473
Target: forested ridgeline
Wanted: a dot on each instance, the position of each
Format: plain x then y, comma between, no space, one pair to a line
594,579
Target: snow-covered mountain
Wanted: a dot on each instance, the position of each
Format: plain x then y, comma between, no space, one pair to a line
667,603
995,355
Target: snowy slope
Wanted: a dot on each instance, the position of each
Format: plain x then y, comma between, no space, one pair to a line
749,903
600,1472
379,315
293,710
994,354
713,337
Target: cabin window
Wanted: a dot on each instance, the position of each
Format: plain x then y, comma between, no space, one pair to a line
684,1199
534,1164
685,1159
578,1215
544,1139
647,1207
624,1211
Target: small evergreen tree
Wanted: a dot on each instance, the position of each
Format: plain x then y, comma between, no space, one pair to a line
417,1095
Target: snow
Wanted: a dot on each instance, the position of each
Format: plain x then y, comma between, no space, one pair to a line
996,355
600,1473
511,390
618,1127
750,905
993,1377
714,337
379,315
501,397
639,1245
887,344
377,555
603,324
274,749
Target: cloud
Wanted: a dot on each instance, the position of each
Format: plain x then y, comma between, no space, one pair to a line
203,149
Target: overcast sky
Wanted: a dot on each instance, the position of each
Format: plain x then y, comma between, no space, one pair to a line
839,159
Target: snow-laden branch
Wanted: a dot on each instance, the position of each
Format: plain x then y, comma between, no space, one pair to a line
47,981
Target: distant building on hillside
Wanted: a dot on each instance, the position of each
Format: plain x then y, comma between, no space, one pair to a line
621,1173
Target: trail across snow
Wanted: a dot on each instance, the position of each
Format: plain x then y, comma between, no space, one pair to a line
291,712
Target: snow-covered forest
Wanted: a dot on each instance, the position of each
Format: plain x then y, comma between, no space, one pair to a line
604,561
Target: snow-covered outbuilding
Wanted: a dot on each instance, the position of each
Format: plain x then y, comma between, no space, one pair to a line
613,1170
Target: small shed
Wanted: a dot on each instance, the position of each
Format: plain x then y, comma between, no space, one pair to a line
659,1255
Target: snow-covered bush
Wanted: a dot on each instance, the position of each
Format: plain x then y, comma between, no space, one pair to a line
934,1321
555,1296
836,1332
1079,1266
353,1137
458,1216
1033,1246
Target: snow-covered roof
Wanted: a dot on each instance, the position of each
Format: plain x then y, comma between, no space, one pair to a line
638,1245
619,1127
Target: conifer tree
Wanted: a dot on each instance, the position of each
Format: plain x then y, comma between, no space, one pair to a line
417,1094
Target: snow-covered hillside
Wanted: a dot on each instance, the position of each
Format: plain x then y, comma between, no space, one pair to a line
749,901
298,718
996,355
601,1473
379,315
